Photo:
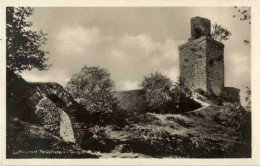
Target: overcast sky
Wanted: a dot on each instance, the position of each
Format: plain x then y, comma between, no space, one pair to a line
133,42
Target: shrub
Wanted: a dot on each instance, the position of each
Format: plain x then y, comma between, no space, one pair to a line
96,139
162,96
163,143
209,96
233,116
182,99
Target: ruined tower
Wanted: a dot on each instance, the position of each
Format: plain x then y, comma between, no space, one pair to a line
202,59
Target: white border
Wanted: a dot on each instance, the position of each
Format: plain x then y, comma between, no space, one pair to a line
255,63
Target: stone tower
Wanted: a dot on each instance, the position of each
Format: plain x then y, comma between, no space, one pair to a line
202,59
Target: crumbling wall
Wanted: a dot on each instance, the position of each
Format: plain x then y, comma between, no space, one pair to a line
200,27
215,67
193,64
231,94
23,98
202,59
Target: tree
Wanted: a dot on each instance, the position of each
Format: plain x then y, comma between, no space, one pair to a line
243,13
248,99
95,90
24,46
220,33
157,91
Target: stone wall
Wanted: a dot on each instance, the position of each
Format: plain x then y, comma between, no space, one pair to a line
202,59
192,56
215,67
200,27
231,94
132,101
23,98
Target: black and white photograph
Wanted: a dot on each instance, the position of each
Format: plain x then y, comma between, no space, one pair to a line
159,82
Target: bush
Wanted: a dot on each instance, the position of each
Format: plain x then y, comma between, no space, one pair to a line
163,143
210,96
182,99
233,116
162,96
96,139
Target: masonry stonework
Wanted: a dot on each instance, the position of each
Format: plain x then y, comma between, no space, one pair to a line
202,59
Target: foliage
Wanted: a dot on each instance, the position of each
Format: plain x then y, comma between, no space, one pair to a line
162,96
182,98
209,96
232,116
49,115
24,47
95,89
33,141
248,99
243,13
157,91
162,143
220,33
96,139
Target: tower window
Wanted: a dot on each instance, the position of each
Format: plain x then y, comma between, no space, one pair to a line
211,62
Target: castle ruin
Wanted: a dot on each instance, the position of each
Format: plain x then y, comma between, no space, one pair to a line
202,62
202,59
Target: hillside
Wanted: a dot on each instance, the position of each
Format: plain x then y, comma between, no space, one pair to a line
194,134
134,133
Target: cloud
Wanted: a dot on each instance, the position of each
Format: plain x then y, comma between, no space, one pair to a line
74,39
129,85
60,77
142,42
127,57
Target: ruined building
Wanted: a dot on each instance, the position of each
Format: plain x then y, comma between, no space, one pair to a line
202,61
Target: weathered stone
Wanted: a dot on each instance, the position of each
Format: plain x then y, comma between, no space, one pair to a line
231,95
55,120
200,27
202,60
49,115
66,130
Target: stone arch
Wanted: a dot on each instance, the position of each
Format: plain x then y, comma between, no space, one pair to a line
54,119
61,98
